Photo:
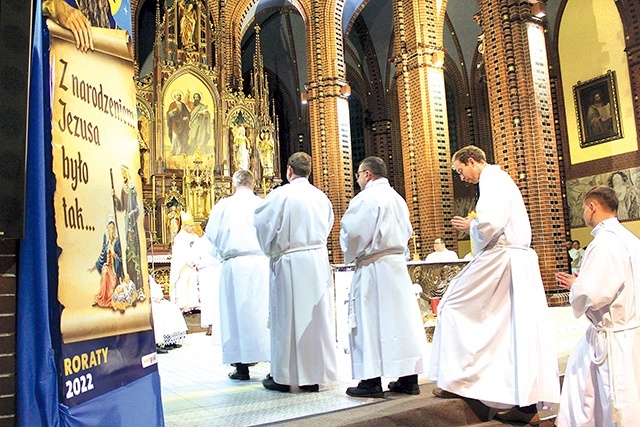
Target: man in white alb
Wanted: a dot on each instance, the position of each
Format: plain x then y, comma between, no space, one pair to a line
492,340
244,279
293,224
386,333
183,277
602,380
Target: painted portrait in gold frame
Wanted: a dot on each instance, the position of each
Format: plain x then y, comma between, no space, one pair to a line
596,102
188,113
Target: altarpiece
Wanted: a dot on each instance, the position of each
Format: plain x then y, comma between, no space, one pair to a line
194,131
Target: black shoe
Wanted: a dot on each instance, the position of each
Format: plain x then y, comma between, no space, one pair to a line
161,350
526,414
239,375
407,385
444,394
175,345
310,388
367,388
270,384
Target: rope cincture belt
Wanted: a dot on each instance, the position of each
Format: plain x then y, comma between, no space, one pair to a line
297,249
608,353
237,254
363,261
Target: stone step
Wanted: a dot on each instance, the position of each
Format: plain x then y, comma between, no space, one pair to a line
424,410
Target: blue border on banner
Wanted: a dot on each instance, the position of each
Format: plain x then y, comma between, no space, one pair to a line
92,368
134,404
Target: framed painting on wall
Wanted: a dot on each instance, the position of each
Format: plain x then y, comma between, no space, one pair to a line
189,111
596,102
625,183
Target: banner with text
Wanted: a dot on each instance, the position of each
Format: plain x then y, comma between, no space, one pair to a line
99,214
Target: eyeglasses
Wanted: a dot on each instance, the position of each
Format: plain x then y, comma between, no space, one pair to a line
359,172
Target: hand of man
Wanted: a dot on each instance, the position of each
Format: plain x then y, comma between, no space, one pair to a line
461,224
71,18
565,280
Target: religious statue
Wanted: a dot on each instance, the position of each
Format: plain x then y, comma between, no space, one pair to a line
143,147
265,152
173,222
187,25
241,147
160,165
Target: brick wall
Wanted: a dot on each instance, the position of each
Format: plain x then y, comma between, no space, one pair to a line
8,284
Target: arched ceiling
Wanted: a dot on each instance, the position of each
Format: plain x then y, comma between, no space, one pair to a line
284,43
283,36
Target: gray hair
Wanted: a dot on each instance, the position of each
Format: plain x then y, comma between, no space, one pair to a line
243,178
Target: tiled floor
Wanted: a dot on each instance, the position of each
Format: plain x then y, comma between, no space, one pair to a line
197,392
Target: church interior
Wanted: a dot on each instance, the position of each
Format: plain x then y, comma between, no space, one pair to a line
410,82
243,84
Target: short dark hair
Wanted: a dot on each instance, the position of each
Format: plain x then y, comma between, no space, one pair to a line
375,165
605,196
243,178
469,152
300,163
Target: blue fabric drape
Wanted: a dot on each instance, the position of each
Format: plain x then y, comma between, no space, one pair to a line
36,390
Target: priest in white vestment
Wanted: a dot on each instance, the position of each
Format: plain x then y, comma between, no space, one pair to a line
244,279
293,224
385,325
493,339
602,378
441,253
183,276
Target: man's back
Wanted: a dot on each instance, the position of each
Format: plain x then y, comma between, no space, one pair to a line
501,211
292,225
293,216
608,287
378,219
230,227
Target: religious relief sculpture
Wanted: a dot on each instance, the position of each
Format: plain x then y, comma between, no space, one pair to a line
265,152
187,24
241,147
